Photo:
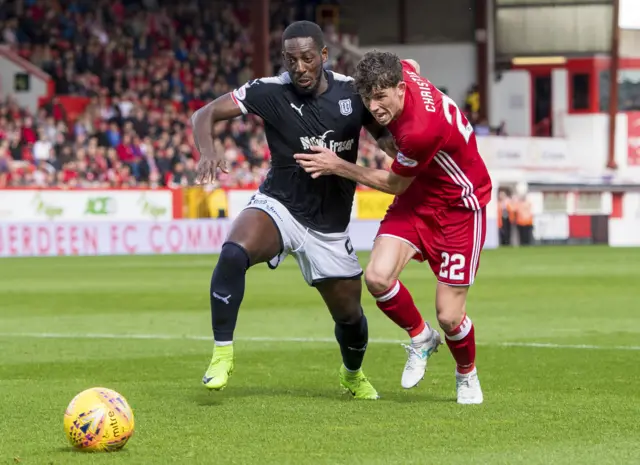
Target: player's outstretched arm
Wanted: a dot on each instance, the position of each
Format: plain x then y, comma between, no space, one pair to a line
383,137
326,162
384,181
203,121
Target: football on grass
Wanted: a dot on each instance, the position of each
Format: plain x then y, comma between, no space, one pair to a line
98,419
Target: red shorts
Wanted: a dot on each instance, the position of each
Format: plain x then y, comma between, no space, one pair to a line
450,239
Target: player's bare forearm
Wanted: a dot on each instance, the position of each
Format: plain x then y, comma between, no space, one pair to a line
325,162
381,180
387,145
203,120
202,123
383,137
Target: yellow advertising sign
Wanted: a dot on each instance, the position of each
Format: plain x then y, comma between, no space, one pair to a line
372,205
203,204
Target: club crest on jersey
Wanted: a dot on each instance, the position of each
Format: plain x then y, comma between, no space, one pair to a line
404,161
345,106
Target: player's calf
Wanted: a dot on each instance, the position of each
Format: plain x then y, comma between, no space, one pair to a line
352,334
460,337
353,337
227,290
342,297
390,255
450,305
457,326
225,294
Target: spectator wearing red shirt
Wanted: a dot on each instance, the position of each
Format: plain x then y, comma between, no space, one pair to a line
145,72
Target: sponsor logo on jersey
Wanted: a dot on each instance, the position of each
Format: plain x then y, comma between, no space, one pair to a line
345,106
298,109
241,93
405,161
321,141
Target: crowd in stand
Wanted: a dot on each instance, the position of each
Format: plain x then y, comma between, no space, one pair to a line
145,66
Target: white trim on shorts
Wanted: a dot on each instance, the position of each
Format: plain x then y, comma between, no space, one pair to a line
475,250
406,241
477,244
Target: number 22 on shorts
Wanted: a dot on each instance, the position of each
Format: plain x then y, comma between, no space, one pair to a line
452,266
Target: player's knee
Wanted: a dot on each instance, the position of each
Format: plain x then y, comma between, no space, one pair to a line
234,256
347,315
377,280
449,315
449,321
450,306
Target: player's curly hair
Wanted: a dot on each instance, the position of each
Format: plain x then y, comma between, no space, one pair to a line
377,70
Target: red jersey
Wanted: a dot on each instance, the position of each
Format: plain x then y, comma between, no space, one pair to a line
437,145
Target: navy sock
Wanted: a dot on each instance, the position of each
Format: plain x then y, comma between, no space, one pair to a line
353,339
227,290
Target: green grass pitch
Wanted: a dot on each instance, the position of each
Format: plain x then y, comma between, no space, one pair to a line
558,357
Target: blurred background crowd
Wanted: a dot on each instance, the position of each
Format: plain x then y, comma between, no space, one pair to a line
146,66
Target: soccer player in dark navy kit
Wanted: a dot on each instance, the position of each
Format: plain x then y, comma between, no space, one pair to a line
292,213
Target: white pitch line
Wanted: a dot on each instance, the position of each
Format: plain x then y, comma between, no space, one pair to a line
176,337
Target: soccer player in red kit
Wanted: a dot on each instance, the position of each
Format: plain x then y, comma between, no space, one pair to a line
442,187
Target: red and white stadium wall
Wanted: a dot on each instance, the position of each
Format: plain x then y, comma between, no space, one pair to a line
100,205
580,123
51,222
587,217
89,222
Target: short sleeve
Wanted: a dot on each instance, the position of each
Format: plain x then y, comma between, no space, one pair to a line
414,154
258,96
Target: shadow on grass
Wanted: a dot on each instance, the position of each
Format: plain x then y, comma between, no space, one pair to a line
216,398
73,450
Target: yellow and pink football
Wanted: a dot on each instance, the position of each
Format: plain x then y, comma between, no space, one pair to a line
98,419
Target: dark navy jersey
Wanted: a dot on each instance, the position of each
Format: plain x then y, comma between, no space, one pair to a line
294,123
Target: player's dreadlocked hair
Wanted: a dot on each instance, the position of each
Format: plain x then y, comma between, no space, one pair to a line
377,70
304,29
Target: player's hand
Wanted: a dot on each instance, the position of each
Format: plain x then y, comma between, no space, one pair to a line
208,166
321,163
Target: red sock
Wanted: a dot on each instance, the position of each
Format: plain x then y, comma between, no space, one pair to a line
397,303
462,344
